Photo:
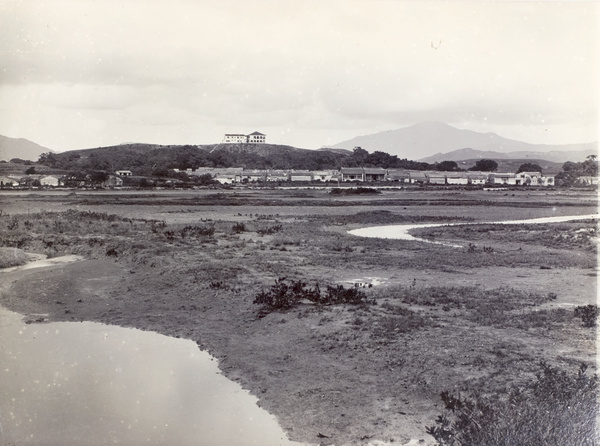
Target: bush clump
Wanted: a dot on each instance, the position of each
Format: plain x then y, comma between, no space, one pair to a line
283,295
355,191
12,257
588,314
556,409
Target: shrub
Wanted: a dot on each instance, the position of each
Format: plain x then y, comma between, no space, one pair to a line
12,257
197,231
238,228
588,314
340,295
270,230
283,295
556,409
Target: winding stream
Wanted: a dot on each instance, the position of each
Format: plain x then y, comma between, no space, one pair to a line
70,383
401,232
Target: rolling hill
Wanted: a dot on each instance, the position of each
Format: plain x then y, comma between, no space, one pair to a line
435,141
11,148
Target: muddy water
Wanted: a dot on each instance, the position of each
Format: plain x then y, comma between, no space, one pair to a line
401,232
71,383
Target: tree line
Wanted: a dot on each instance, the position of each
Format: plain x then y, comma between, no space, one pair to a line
159,161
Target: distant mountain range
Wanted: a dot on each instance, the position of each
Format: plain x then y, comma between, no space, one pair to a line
434,142
11,148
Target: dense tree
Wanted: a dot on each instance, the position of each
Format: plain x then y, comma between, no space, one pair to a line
485,165
97,177
30,171
590,165
446,166
529,167
47,159
572,171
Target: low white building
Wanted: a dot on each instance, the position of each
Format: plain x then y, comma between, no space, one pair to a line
503,178
50,180
457,178
323,175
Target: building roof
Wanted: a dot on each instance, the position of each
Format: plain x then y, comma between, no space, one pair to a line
257,133
374,170
352,170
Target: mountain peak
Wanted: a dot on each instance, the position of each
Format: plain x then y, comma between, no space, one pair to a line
432,137
11,148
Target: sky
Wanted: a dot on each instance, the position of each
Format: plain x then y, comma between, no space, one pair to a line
88,73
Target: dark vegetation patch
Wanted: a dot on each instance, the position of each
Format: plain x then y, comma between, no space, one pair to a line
558,408
285,294
354,191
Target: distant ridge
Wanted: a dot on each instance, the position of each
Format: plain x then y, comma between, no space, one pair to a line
555,156
427,140
11,148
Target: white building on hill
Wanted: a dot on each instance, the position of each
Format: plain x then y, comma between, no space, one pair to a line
239,138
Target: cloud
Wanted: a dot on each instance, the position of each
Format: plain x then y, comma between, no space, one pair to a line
198,67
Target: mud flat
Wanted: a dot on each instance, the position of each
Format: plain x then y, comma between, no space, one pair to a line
445,318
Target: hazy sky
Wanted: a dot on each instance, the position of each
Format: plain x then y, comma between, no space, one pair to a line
82,73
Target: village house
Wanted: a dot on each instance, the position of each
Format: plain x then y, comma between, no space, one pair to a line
374,174
417,176
460,178
587,180
50,180
436,177
252,176
301,175
478,178
503,178
324,175
352,174
398,175
124,173
527,178
8,182
229,176
277,175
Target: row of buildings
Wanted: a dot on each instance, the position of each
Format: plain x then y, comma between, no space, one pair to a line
344,175
368,174
57,181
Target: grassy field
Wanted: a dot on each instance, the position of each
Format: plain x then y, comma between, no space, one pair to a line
434,318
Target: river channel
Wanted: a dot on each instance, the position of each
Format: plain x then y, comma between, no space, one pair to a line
402,232
85,383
